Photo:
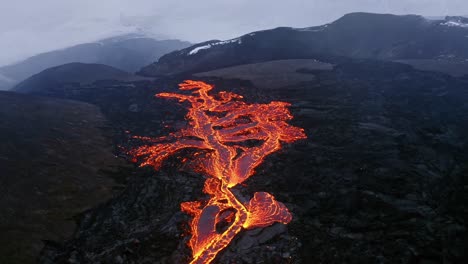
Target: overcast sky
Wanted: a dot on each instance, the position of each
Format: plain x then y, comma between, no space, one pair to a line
28,27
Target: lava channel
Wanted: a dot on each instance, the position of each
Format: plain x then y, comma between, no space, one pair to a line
236,137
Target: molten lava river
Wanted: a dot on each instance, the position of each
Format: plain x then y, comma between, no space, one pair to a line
232,138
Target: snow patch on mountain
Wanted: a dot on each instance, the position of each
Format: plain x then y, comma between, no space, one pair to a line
313,29
197,49
455,22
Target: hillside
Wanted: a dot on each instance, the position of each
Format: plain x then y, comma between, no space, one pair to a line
56,156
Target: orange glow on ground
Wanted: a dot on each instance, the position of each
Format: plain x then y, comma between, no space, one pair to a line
237,137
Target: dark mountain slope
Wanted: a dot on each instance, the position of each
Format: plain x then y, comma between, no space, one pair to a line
72,74
55,160
356,35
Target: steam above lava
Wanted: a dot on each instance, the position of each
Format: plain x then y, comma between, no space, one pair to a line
235,137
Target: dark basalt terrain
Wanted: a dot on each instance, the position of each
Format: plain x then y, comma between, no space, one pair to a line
56,159
382,177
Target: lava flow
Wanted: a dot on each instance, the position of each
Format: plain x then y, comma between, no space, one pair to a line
235,137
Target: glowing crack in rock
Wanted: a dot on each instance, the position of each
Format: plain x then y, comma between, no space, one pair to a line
235,138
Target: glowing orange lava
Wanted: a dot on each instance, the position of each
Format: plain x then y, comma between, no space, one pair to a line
236,137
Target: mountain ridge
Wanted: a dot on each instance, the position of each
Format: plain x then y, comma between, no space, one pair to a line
355,35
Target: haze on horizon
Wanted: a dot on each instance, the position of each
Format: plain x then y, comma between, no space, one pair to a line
29,27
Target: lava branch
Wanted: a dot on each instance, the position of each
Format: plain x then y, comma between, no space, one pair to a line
211,243
238,136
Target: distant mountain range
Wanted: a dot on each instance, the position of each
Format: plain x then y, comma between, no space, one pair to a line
355,35
431,45
128,53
